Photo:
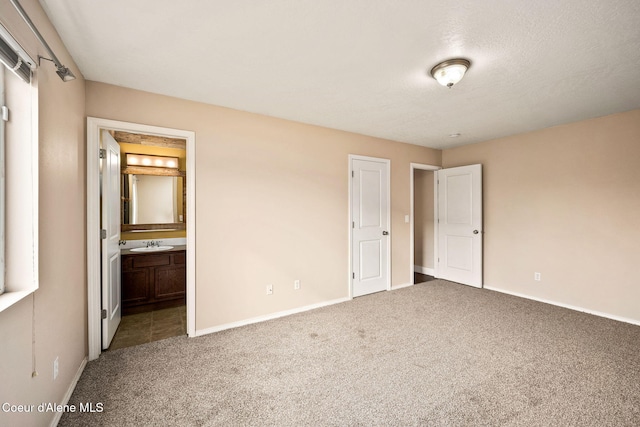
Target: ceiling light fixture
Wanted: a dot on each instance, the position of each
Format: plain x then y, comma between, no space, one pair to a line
451,71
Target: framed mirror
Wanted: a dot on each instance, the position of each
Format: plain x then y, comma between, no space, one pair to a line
153,202
153,188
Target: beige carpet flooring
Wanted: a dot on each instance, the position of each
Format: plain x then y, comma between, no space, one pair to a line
434,354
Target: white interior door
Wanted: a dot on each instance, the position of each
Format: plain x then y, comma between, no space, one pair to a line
370,225
460,224
111,307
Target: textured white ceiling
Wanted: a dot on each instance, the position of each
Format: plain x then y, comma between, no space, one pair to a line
362,65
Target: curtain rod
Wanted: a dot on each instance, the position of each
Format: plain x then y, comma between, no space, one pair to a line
62,71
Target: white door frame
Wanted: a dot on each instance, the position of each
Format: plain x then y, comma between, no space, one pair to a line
94,125
434,169
349,219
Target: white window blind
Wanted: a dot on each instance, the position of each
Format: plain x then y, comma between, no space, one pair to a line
18,173
14,57
3,118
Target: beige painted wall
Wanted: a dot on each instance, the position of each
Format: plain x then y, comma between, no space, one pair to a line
564,202
58,308
271,202
423,205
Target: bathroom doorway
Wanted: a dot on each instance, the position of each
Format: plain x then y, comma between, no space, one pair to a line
152,238
94,266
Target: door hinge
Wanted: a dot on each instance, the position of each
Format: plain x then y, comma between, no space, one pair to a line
5,113
103,234
353,174
353,275
104,313
353,224
103,153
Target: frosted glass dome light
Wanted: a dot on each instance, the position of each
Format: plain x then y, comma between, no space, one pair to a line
450,72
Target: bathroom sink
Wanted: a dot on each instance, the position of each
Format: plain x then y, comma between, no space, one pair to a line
152,249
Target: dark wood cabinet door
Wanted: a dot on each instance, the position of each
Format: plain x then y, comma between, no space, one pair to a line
153,281
170,281
135,286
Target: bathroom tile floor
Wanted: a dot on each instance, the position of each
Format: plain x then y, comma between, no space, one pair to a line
142,328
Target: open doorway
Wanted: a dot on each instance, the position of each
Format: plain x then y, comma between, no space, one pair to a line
95,127
423,223
152,239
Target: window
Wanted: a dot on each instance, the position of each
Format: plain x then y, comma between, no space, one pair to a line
5,112
19,177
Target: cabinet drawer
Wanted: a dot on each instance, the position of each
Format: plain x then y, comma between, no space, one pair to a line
151,260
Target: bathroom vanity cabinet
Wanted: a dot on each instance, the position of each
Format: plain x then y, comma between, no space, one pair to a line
153,280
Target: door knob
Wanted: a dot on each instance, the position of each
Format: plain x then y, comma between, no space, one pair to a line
475,231
385,233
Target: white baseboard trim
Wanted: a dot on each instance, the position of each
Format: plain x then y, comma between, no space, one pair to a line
570,307
206,331
424,270
403,285
67,395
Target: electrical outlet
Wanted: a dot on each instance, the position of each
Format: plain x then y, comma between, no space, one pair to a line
269,289
537,277
55,368
296,284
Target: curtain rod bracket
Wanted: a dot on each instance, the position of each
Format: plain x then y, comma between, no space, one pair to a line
45,58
